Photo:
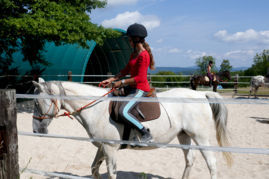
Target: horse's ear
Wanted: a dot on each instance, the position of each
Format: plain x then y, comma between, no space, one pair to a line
41,80
38,86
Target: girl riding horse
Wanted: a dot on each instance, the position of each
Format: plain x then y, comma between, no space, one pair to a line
138,85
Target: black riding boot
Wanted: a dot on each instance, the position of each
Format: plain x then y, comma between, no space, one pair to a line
145,135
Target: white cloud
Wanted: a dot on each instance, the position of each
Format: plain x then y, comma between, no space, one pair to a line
127,18
195,54
174,50
240,54
247,36
120,2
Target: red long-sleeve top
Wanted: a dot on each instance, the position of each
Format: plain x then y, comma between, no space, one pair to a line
138,69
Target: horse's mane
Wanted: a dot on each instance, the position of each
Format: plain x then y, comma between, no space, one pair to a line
81,89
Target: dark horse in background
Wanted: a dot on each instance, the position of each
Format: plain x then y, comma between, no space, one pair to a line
204,80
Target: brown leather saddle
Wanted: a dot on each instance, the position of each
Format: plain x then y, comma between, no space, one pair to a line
143,111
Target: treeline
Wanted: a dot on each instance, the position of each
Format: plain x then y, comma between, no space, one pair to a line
260,66
169,79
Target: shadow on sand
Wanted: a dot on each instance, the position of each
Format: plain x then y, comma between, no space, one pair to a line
120,175
261,120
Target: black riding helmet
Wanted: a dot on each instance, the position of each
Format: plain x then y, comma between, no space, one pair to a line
137,30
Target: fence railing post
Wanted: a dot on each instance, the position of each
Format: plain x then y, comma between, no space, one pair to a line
69,77
236,84
9,166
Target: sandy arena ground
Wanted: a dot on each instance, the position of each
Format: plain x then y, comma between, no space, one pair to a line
248,125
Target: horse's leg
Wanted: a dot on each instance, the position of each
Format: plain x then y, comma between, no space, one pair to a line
189,155
99,157
215,88
255,91
250,91
203,140
110,153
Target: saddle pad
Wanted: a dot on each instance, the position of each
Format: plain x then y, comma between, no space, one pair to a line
143,111
207,79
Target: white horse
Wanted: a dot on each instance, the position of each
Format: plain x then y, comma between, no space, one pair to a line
185,121
256,82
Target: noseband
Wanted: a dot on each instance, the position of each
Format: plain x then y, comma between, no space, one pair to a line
46,115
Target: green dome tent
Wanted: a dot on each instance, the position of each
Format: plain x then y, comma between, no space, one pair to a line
109,58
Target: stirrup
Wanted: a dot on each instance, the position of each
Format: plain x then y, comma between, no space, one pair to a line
142,139
145,137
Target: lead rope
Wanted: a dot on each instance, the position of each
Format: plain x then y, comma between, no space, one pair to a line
68,114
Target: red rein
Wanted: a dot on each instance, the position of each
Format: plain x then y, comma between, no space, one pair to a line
83,107
68,114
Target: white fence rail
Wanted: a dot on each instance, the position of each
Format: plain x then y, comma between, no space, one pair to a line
150,99
263,151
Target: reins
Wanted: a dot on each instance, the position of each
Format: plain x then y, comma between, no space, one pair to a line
85,106
68,114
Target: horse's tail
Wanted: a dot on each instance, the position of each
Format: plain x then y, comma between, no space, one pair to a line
220,114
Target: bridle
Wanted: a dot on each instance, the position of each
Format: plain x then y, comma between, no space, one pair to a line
46,115
68,114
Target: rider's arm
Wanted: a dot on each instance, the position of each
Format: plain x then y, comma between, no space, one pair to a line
122,73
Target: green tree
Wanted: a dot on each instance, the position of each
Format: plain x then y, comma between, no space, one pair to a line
260,64
164,81
202,63
225,65
28,24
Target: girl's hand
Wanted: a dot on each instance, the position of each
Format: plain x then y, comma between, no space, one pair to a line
117,84
105,83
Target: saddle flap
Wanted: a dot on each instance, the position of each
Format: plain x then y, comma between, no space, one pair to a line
148,110
143,111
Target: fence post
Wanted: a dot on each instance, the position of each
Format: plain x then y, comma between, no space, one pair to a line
69,77
236,84
9,166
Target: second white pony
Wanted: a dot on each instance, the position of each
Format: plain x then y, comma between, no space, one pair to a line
256,82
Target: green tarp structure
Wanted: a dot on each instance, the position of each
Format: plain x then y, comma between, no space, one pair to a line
109,58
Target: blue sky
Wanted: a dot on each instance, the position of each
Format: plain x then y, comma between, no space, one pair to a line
180,31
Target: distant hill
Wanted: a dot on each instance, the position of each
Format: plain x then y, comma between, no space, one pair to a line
186,70
240,68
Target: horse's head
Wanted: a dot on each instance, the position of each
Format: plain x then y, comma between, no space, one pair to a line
226,74
44,108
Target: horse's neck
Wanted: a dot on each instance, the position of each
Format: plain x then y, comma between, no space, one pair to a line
219,75
76,89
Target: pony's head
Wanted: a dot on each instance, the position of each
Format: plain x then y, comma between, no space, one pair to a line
45,108
226,74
